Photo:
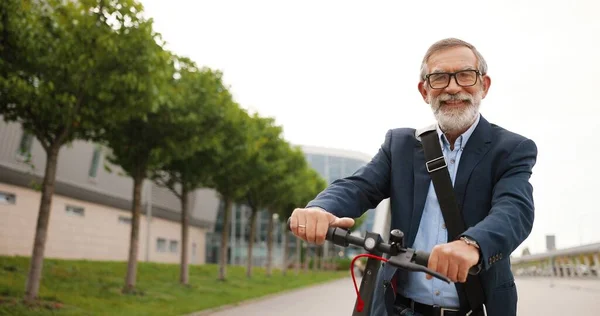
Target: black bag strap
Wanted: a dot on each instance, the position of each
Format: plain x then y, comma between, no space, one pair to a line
438,170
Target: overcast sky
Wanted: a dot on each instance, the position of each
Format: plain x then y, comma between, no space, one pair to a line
341,73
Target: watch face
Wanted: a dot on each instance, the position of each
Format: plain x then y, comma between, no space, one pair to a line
470,242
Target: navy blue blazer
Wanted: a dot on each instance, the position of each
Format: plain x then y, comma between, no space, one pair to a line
492,190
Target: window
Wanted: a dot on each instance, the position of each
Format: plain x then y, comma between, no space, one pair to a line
7,198
25,144
124,220
318,163
352,166
74,210
95,162
335,168
173,246
161,245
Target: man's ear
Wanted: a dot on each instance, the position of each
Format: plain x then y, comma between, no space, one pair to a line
423,91
487,82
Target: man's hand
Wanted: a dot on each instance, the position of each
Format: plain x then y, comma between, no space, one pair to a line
311,224
453,260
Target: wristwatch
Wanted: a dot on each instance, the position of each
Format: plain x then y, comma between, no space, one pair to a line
470,241
476,269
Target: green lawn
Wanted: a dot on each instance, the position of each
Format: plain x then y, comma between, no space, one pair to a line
71,287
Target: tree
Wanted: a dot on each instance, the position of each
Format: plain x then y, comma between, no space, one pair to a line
305,185
69,69
284,197
231,178
268,167
201,92
145,143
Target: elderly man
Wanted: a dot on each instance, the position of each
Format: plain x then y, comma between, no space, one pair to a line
487,170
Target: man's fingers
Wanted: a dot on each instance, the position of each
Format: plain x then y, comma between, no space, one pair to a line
453,271
294,223
344,222
311,224
443,261
322,227
311,227
463,272
301,226
433,262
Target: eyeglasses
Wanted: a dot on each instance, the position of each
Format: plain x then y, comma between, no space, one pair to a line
463,78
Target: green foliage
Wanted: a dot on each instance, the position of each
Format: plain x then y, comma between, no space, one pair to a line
267,158
201,96
81,287
232,177
68,69
343,264
172,129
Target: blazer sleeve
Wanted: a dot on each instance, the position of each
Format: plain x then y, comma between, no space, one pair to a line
510,219
364,190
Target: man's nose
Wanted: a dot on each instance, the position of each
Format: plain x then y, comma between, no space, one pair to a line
452,87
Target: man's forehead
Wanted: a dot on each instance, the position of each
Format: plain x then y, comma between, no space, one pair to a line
445,69
455,58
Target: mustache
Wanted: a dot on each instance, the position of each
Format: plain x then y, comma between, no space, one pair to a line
441,99
455,97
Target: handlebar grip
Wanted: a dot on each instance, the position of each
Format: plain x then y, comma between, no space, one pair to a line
422,258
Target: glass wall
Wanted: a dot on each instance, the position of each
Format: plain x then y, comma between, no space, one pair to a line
330,167
240,235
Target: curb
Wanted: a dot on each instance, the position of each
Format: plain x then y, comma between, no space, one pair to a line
252,300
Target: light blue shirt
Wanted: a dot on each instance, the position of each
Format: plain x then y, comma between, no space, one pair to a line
432,231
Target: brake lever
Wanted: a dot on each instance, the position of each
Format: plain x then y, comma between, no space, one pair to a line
404,260
419,268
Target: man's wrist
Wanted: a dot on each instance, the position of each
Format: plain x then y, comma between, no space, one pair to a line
470,241
473,243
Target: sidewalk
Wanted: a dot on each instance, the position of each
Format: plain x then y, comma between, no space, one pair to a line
537,296
331,299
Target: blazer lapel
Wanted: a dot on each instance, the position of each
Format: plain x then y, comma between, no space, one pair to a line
478,145
422,182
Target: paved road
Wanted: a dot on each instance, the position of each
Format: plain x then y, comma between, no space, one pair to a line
537,296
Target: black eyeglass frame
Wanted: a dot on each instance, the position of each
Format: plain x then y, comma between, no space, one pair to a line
453,74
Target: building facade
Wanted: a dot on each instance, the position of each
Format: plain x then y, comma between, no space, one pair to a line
90,214
91,208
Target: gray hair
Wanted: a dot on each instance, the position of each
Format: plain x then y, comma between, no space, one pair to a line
449,43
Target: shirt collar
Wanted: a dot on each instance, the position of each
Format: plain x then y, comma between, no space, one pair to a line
461,141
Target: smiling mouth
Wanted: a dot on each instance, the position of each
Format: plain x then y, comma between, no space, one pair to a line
453,102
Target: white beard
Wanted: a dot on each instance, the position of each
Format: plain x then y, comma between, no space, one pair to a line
456,119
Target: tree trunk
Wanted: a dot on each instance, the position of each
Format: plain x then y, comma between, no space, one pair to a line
285,250
184,272
34,278
298,254
306,258
138,183
270,245
325,260
251,241
316,259
223,258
